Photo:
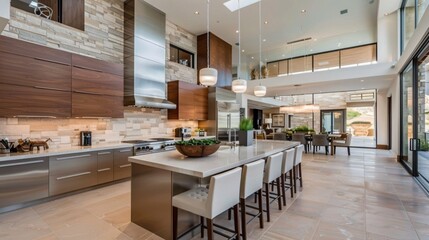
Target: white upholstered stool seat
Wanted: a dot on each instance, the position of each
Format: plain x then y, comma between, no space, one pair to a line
297,171
273,172
223,193
287,168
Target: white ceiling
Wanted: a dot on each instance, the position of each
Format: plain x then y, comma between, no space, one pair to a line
322,21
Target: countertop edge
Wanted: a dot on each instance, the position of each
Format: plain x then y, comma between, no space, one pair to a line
59,151
210,172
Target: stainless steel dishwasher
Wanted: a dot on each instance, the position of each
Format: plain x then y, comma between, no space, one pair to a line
23,181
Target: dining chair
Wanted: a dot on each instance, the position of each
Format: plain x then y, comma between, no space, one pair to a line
223,193
345,142
322,141
280,136
300,137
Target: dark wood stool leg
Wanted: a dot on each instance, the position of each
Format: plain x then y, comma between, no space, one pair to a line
267,199
261,210
229,214
279,199
283,188
175,212
294,178
237,222
209,229
348,150
243,218
256,195
326,150
291,183
202,227
300,174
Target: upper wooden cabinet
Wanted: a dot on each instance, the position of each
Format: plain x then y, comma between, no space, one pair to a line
191,101
38,81
98,88
220,58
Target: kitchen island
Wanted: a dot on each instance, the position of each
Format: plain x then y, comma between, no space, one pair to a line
156,178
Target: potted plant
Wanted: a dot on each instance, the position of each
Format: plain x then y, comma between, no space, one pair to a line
245,135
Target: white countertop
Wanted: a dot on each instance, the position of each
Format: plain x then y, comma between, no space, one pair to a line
224,159
60,151
195,137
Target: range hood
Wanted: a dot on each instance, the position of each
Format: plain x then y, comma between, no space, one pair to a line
144,56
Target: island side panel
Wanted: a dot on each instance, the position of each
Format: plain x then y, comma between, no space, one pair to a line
151,206
151,192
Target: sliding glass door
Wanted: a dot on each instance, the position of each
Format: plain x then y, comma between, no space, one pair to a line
333,121
407,120
423,115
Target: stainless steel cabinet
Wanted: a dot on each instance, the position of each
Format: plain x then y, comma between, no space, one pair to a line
122,168
105,166
72,172
23,180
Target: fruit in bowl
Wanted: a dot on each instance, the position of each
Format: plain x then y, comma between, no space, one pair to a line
198,147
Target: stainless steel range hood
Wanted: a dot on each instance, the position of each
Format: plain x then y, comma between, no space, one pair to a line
144,56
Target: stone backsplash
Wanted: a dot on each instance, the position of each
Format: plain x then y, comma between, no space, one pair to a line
137,124
102,39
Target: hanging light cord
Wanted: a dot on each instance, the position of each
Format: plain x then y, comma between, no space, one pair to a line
208,33
260,39
239,42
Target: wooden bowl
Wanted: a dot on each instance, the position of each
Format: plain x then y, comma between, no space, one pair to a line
197,150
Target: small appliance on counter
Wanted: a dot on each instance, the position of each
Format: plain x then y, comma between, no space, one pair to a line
85,138
185,132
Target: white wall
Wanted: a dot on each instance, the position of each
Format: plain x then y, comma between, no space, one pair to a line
395,94
387,38
382,119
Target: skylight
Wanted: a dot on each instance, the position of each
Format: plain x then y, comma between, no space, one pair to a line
232,5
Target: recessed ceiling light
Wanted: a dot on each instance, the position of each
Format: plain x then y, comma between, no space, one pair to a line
283,55
362,80
311,50
242,50
315,39
303,11
253,58
362,88
236,31
264,40
266,59
197,13
339,44
266,22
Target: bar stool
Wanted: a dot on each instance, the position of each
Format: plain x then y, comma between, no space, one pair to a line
297,165
287,168
223,193
251,182
273,172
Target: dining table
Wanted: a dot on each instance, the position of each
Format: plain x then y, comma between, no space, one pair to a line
331,138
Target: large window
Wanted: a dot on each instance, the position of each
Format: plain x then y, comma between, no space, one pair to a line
421,8
348,57
408,21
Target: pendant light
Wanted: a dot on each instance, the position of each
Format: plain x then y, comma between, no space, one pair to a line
260,90
208,75
239,85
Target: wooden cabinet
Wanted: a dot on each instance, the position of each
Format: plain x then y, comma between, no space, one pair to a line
97,87
122,168
44,82
73,13
220,56
191,101
22,101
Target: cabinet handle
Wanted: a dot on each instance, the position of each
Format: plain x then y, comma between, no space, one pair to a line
51,61
124,166
87,68
104,169
21,163
84,92
73,175
125,150
73,157
49,88
104,153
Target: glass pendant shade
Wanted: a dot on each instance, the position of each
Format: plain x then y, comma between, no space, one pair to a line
239,86
208,76
260,91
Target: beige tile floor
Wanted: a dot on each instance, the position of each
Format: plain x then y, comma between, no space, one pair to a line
365,196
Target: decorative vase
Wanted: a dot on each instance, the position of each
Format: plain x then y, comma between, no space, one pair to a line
245,138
